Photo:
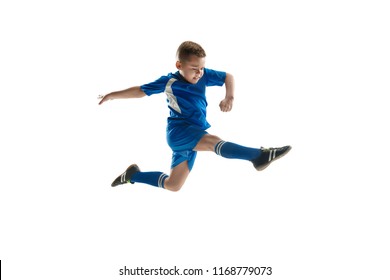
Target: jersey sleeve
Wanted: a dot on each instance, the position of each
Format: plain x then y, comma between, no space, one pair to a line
155,87
214,78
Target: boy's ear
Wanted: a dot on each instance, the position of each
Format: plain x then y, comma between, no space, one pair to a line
178,65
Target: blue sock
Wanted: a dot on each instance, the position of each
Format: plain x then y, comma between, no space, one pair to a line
231,150
151,178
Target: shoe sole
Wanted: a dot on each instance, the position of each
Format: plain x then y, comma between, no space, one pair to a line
264,166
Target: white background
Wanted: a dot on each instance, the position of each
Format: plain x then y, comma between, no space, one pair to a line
311,74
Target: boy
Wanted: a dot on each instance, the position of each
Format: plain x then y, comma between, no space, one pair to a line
187,124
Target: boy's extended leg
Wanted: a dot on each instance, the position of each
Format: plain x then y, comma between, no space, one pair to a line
173,182
260,158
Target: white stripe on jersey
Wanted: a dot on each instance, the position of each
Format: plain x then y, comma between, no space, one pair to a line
172,101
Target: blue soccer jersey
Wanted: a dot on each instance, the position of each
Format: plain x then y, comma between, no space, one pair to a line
187,102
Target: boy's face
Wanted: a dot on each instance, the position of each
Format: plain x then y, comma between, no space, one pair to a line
192,69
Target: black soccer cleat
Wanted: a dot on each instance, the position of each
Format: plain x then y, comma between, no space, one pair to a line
269,155
125,177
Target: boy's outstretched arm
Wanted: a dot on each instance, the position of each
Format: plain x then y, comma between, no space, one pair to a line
133,92
227,103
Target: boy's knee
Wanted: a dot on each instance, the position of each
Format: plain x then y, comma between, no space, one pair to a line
207,143
214,140
174,187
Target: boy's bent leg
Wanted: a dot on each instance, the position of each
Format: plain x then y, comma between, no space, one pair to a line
173,182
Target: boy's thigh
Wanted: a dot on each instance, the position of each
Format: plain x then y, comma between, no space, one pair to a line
207,143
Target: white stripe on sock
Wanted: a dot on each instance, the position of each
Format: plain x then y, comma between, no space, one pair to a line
219,147
161,180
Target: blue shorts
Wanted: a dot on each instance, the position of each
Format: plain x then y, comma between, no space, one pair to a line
182,139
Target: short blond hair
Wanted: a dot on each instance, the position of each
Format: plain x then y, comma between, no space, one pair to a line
188,48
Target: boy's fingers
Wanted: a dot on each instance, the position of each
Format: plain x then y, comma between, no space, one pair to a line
101,101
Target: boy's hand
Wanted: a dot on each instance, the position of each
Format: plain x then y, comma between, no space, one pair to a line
103,98
226,104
